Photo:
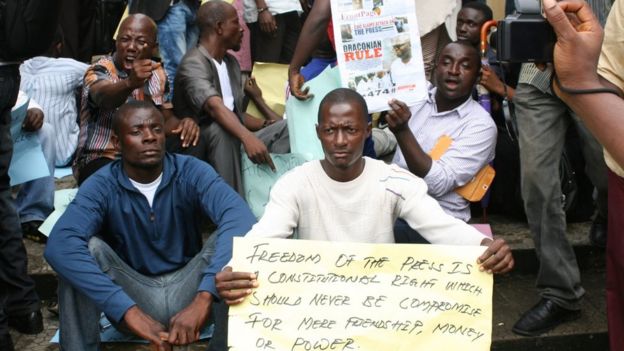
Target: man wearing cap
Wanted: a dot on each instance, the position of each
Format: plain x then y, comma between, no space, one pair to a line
403,69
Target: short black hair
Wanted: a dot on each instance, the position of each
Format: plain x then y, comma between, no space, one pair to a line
342,95
131,105
481,7
209,14
467,44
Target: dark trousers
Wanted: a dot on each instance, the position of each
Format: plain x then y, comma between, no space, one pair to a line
17,289
404,234
92,167
78,23
278,47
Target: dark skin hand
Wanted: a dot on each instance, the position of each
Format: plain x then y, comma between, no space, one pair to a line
267,22
417,160
233,287
314,27
493,84
257,151
185,326
253,91
497,257
145,327
142,68
111,95
33,120
254,147
187,128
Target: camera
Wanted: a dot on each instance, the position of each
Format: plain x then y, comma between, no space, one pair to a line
525,36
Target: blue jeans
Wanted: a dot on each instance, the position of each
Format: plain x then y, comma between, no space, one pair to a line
161,297
15,283
35,200
177,32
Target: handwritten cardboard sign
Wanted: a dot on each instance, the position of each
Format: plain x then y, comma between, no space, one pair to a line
316,295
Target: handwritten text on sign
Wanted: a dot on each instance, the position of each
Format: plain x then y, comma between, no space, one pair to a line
316,295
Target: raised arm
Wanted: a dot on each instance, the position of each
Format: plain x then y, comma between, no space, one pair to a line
417,160
312,33
576,58
109,95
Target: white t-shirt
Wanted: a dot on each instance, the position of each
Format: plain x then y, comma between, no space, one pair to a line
149,189
226,88
403,74
362,210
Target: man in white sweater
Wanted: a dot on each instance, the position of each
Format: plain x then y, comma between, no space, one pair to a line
349,198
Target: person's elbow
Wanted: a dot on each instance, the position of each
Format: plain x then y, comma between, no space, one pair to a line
439,185
52,252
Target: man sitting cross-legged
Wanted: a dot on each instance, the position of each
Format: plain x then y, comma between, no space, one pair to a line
130,244
349,198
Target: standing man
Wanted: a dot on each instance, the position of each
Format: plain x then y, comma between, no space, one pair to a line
130,74
543,120
210,90
274,27
29,33
130,243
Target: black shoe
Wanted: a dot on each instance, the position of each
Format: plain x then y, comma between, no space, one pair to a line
543,317
30,231
29,323
6,344
598,233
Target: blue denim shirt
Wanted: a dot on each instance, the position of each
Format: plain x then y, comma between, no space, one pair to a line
153,241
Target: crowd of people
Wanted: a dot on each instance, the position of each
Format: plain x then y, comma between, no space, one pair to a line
156,130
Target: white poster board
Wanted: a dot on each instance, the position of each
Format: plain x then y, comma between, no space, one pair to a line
379,52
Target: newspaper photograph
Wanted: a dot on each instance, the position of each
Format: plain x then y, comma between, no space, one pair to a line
379,51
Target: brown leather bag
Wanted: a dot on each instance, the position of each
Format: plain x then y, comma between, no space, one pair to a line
476,188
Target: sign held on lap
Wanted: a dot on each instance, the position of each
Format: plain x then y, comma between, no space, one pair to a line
317,295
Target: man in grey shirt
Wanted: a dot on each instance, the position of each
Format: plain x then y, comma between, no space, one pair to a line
209,89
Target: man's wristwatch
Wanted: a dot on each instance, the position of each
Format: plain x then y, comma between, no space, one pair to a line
261,9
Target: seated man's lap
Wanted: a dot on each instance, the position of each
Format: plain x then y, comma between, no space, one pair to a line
162,296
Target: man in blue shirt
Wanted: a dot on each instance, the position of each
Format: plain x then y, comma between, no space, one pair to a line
130,244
